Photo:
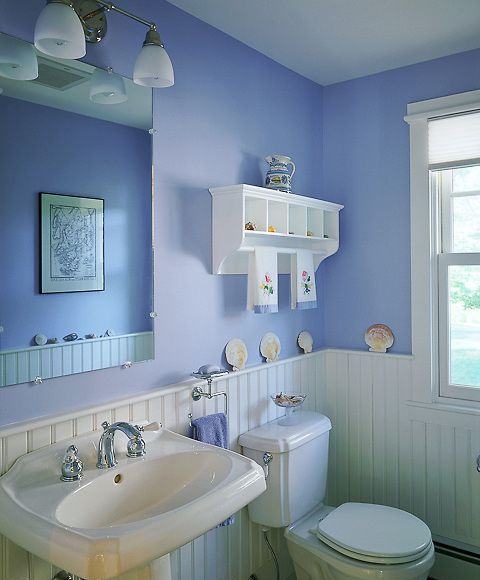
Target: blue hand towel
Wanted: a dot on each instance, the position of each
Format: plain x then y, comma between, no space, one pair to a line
212,429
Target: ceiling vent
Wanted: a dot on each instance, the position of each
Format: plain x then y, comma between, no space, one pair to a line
59,77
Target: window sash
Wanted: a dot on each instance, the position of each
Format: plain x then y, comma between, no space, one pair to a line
445,260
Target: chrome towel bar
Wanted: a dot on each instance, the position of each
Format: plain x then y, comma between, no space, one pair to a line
198,392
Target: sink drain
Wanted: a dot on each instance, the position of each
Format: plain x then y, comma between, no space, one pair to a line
118,478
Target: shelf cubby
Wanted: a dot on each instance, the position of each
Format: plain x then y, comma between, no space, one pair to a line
277,216
297,220
330,222
315,225
256,212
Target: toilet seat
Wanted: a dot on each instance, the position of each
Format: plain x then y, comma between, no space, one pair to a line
375,533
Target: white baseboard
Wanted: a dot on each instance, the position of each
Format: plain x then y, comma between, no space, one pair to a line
452,568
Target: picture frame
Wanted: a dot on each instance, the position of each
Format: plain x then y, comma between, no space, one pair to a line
71,244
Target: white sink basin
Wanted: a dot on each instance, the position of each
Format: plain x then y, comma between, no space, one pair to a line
117,519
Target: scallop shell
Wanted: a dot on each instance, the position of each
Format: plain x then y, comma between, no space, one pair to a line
379,337
270,347
305,341
40,339
236,353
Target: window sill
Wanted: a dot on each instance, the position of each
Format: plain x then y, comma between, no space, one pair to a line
448,407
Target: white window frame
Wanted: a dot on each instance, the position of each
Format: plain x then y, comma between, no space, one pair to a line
446,258
424,216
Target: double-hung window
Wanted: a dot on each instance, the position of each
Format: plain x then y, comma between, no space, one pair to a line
458,194
445,158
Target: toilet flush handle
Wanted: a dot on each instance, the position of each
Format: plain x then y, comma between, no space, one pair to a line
267,458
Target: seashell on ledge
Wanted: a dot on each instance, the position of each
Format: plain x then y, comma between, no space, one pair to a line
379,337
270,347
236,354
305,341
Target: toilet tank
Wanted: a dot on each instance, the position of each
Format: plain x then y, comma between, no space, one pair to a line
297,473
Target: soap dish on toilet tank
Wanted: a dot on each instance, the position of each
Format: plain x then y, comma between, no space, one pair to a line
289,401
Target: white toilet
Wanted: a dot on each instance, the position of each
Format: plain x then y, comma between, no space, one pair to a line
353,541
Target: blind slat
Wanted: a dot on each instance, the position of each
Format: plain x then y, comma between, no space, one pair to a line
454,140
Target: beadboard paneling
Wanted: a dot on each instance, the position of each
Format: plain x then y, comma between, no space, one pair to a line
65,358
387,449
228,553
383,449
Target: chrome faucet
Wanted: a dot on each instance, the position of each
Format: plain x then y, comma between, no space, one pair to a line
106,451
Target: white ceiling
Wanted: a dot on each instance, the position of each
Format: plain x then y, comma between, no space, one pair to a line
329,41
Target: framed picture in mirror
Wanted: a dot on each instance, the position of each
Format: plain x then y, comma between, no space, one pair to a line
71,244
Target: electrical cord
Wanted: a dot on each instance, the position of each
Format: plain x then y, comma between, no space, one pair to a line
277,567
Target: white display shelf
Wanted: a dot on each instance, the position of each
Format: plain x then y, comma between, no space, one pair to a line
292,216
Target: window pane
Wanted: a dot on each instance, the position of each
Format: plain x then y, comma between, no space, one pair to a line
466,179
466,223
464,339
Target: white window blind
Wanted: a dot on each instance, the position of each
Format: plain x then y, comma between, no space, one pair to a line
454,141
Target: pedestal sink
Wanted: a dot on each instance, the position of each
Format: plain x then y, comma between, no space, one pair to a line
117,519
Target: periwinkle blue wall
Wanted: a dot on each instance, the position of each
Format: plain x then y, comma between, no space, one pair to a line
366,167
229,107
48,150
241,107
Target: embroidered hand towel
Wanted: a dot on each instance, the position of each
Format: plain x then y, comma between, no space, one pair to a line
302,279
262,281
212,429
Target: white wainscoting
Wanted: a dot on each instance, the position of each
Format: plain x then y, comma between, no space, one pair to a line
387,449
384,449
229,553
23,365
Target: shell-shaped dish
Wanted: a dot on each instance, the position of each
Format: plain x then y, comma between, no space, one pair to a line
270,347
379,337
305,341
236,353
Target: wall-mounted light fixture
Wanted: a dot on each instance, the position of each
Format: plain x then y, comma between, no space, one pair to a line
59,32
64,25
107,88
17,59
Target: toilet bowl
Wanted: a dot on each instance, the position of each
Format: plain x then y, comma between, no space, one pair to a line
314,559
352,541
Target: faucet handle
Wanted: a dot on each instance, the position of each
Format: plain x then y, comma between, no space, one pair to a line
105,425
136,447
72,467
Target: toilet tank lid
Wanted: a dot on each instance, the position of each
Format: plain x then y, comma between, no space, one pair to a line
282,438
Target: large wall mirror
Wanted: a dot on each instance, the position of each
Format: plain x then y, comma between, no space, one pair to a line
76,255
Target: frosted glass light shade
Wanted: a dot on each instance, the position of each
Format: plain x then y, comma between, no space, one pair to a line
18,59
153,67
59,32
107,88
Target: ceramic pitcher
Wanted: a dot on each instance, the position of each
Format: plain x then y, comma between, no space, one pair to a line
278,176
